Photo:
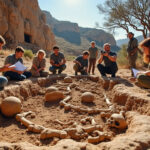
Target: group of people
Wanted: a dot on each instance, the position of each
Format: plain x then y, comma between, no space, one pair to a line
83,64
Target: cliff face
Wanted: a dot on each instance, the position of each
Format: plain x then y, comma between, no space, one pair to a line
23,23
65,29
71,32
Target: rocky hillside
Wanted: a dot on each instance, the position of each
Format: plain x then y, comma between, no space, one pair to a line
72,33
23,23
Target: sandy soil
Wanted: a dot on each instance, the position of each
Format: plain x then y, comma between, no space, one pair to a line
46,113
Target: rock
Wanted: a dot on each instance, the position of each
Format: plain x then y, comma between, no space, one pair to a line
54,96
22,22
68,80
51,89
87,97
11,106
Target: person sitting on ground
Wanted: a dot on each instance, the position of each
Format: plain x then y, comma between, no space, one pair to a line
93,53
11,60
57,61
3,80
109,58
81,63
39,64
143,78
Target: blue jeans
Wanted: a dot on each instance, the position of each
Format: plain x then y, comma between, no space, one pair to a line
3,82
60,68
16,76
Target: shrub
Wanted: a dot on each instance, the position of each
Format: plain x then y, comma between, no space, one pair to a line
28,53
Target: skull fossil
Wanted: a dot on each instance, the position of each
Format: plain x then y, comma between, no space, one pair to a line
117,121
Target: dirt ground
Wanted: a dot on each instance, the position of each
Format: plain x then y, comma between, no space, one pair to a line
46,113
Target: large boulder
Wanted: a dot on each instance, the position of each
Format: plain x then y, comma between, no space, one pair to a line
11,106
54,96
87,97
22,22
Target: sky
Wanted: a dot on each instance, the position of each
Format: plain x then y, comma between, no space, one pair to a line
83,12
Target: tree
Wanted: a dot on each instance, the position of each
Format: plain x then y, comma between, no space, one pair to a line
127,14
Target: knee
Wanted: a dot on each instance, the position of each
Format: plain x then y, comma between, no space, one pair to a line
3,82
141,78
99,66
51,68
64,67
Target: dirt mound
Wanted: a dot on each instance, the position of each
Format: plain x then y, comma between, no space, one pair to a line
79,121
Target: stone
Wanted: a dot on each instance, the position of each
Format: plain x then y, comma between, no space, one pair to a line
54,96
11,106
87,97
68,80
51,89
19,18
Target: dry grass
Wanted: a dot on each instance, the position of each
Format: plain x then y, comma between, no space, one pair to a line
6,52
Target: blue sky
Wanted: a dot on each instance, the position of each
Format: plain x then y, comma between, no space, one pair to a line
83,12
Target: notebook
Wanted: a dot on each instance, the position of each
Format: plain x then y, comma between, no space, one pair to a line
135,72
19,66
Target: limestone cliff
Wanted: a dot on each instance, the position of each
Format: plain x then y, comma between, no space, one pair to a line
65,29
72,33
23,23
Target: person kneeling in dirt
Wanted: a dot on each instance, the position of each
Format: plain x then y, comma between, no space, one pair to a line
3,80
11,60
81,63
39,64
143,78
57,60
109,58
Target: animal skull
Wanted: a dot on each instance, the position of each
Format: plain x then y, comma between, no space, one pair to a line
117,121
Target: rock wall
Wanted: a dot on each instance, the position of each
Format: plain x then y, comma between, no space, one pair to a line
72,33
22,23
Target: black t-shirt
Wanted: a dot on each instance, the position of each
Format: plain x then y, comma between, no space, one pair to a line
83,62
57,58
107,61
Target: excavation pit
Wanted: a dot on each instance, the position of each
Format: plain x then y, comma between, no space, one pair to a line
77,120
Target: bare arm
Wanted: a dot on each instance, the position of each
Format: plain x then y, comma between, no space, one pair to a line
112,58
77,62
147,73
100,59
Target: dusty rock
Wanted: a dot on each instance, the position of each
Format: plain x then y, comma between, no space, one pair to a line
11,106
18,17
54,96
68,80
51,89
87,97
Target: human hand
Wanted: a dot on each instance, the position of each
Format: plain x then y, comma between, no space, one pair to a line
57,65
8,68
105,54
